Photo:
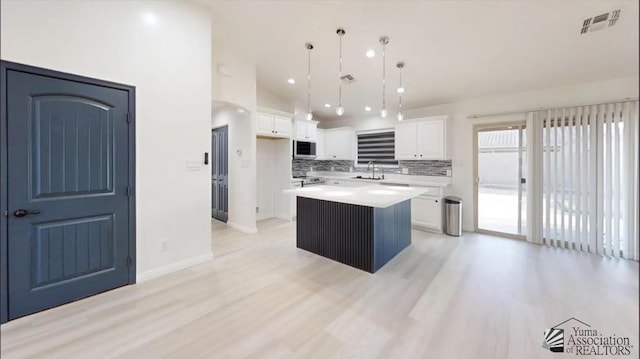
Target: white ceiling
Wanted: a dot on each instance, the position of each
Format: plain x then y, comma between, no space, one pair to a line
453,50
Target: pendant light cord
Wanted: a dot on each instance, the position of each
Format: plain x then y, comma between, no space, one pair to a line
309,79
340,75
383,74
400,97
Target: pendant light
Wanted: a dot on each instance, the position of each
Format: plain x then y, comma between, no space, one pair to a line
340,109
309,47
400,91
384,40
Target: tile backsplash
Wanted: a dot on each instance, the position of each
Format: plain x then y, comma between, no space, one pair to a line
416,168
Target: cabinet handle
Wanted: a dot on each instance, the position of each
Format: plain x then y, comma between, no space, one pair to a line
415,155
420,155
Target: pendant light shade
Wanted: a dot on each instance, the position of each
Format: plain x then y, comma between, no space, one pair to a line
309,47
384,40
400,66
340,109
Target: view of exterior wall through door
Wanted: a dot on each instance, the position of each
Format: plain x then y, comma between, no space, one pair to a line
501,179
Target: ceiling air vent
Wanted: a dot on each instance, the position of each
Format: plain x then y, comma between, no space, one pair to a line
348,79
600,22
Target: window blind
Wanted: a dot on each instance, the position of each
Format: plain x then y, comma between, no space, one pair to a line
584,195
378,148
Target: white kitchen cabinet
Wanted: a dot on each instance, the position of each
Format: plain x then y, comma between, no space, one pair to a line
422,139
305,130
272,125
406,142
320,155
338,144
432,140
426,212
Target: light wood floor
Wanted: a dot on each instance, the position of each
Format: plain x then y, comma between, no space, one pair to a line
471,297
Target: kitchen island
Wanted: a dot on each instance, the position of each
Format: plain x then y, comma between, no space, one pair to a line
363,227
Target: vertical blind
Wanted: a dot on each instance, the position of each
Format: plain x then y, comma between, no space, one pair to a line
583,193
378,147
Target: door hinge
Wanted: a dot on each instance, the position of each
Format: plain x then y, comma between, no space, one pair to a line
129,191
129,117
129,261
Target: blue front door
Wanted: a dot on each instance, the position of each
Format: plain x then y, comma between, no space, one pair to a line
68,190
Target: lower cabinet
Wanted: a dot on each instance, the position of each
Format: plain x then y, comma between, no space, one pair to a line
426,213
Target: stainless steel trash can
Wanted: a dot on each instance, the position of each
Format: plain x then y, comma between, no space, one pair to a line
453,216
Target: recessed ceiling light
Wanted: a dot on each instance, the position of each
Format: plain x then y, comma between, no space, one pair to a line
327,105
291,81
400,90
367,108
371,53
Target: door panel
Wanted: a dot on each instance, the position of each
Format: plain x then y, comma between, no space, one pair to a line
265,123
431,143
68,150
72,157
220,174
406,142
282,126
426,212
312,129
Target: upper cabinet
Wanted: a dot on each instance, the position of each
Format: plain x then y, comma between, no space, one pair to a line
338,144
272,125
320,155
305,130
422,139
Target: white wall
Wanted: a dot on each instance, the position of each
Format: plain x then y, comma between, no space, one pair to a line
169,63
234,81
461,128
268,99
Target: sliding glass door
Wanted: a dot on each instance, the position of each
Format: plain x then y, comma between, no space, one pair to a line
500,179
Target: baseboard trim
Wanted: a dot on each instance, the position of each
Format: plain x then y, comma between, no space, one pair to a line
158,272
426,229
244,229
286,218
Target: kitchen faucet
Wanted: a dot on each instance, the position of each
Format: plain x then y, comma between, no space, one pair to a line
373,173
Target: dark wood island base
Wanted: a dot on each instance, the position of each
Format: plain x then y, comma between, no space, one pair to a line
359,236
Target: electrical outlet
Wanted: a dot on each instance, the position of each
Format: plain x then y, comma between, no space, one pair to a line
449,173
311,169
405,171
165,245
257,209
350,169
332,168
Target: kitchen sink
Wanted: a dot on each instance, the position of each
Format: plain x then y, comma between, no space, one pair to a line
367,178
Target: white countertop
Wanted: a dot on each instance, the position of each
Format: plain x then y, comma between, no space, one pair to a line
371,196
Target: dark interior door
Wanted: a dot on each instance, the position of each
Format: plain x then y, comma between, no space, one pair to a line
220,174
68,190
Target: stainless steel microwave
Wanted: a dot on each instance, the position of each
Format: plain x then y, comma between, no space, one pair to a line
304,149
